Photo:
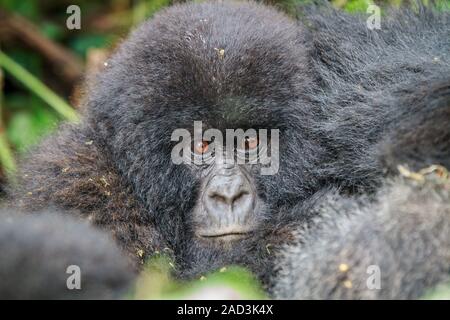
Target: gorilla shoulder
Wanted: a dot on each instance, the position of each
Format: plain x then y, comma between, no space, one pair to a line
67,171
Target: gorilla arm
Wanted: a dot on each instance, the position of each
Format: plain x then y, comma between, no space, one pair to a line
405,233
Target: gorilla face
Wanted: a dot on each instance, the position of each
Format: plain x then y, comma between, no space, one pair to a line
230,66
227,203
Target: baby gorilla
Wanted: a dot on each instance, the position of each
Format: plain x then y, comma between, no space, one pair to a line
237,66
229,65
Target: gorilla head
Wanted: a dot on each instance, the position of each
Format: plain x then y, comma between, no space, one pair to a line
230,66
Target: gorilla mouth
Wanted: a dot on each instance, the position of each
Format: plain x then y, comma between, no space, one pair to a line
227,235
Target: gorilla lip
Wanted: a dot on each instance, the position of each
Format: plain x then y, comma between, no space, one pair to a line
225,234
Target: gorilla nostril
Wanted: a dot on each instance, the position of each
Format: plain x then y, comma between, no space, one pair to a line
230,199
214,196
240,195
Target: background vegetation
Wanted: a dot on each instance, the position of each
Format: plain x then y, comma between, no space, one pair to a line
42,67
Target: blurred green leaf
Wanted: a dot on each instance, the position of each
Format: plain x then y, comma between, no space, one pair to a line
144,9
80,44
28,8
27,128
440,292
52,30
357,5
443,5
6,157
37,87
30,60
228,283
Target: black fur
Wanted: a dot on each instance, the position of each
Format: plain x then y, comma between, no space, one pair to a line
405,233
336,91
422,137
116,168
36,250
371,81
388,93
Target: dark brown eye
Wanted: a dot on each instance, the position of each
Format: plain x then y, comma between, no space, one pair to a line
201,147
250,143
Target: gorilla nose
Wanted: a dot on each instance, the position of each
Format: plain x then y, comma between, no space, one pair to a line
229,194
229,198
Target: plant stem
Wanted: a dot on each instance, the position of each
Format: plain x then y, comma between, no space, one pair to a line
38,88
6,157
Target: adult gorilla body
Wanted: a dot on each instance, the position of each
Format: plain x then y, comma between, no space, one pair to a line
403,230
236,66
388,99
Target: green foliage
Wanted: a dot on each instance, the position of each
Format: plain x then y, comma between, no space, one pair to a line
29,9
31,61
27,125
146,8
440,292
357,5
82,43
156,282
52,30
6,157
37,87
442,5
